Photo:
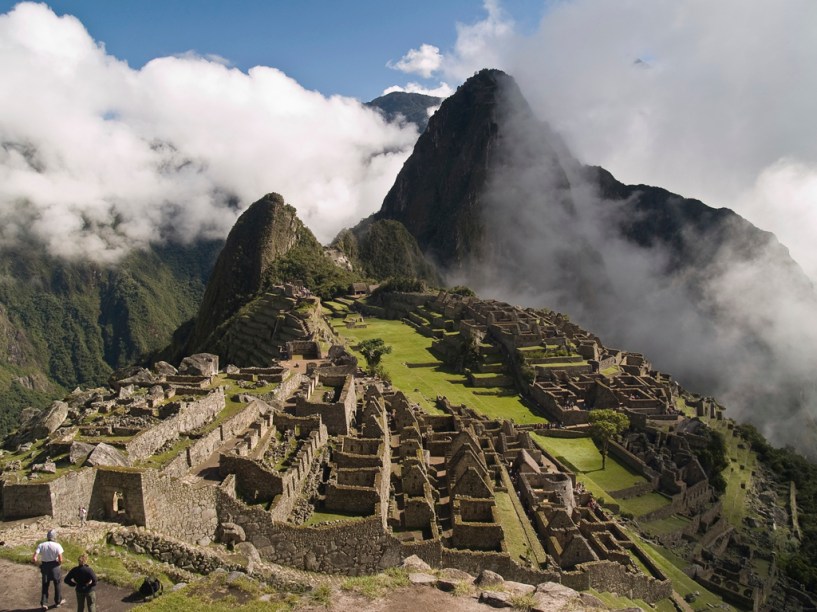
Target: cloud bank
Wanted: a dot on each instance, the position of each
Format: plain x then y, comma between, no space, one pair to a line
736,322
712,102
97,158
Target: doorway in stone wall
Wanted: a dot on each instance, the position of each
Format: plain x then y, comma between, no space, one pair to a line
118,505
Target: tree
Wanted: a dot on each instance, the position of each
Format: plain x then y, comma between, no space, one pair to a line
604,426
372,351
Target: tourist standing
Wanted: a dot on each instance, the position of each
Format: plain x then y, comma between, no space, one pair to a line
49,554
84,579
83,515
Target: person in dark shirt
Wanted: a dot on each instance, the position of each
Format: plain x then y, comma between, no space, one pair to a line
84,579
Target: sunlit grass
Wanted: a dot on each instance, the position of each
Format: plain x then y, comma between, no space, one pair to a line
422,377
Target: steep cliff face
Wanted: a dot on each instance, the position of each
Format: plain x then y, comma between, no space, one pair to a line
385,249
268,244
439,195
268,229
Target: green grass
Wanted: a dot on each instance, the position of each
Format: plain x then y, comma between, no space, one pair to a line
215,594
377,585
735,506
515,538
585,458
666,525
615,602
323,517
423,384
512,513
672,566
162,459
643,504
611,371
122,569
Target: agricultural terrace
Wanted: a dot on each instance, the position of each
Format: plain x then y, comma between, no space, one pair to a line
582,455
738,474
422,377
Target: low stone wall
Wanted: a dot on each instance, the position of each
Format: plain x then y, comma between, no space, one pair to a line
352,547
473,562
191,416
500,380
634,491
615,578
169,550
563,433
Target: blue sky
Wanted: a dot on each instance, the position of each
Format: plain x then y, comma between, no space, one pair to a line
335,47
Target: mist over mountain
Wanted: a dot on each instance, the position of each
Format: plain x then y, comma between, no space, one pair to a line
494,197
410,107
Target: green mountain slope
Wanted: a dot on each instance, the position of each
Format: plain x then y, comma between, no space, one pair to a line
65,324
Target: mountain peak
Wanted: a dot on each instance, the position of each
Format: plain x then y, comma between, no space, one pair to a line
438,193
265,232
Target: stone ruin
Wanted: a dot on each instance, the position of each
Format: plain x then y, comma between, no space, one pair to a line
324,469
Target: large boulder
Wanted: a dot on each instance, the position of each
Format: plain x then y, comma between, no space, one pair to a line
79,452
163,368
106,455
230,534
200,364
129,375
51,420
415,564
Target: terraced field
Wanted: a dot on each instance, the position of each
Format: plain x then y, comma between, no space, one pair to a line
585,458
422,377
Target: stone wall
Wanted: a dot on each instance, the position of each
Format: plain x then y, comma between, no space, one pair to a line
172,506
23,500
473,562
208,444
118,495
191,416
351,547
550,405
253,481
615,578
622,455
71,491
170,550
337,416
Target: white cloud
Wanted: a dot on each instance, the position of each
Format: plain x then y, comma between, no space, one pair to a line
424,61
728,94
443,90
97,158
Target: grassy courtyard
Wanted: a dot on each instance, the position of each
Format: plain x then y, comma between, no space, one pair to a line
585,458
422,377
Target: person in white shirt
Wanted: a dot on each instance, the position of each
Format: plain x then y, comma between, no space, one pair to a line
49,554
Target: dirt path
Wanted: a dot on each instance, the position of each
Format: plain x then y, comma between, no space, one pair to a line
20,591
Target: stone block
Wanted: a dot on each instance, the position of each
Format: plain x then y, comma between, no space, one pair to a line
496,599
106,455
420,578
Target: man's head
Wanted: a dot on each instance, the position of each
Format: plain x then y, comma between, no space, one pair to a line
51,535
83,559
